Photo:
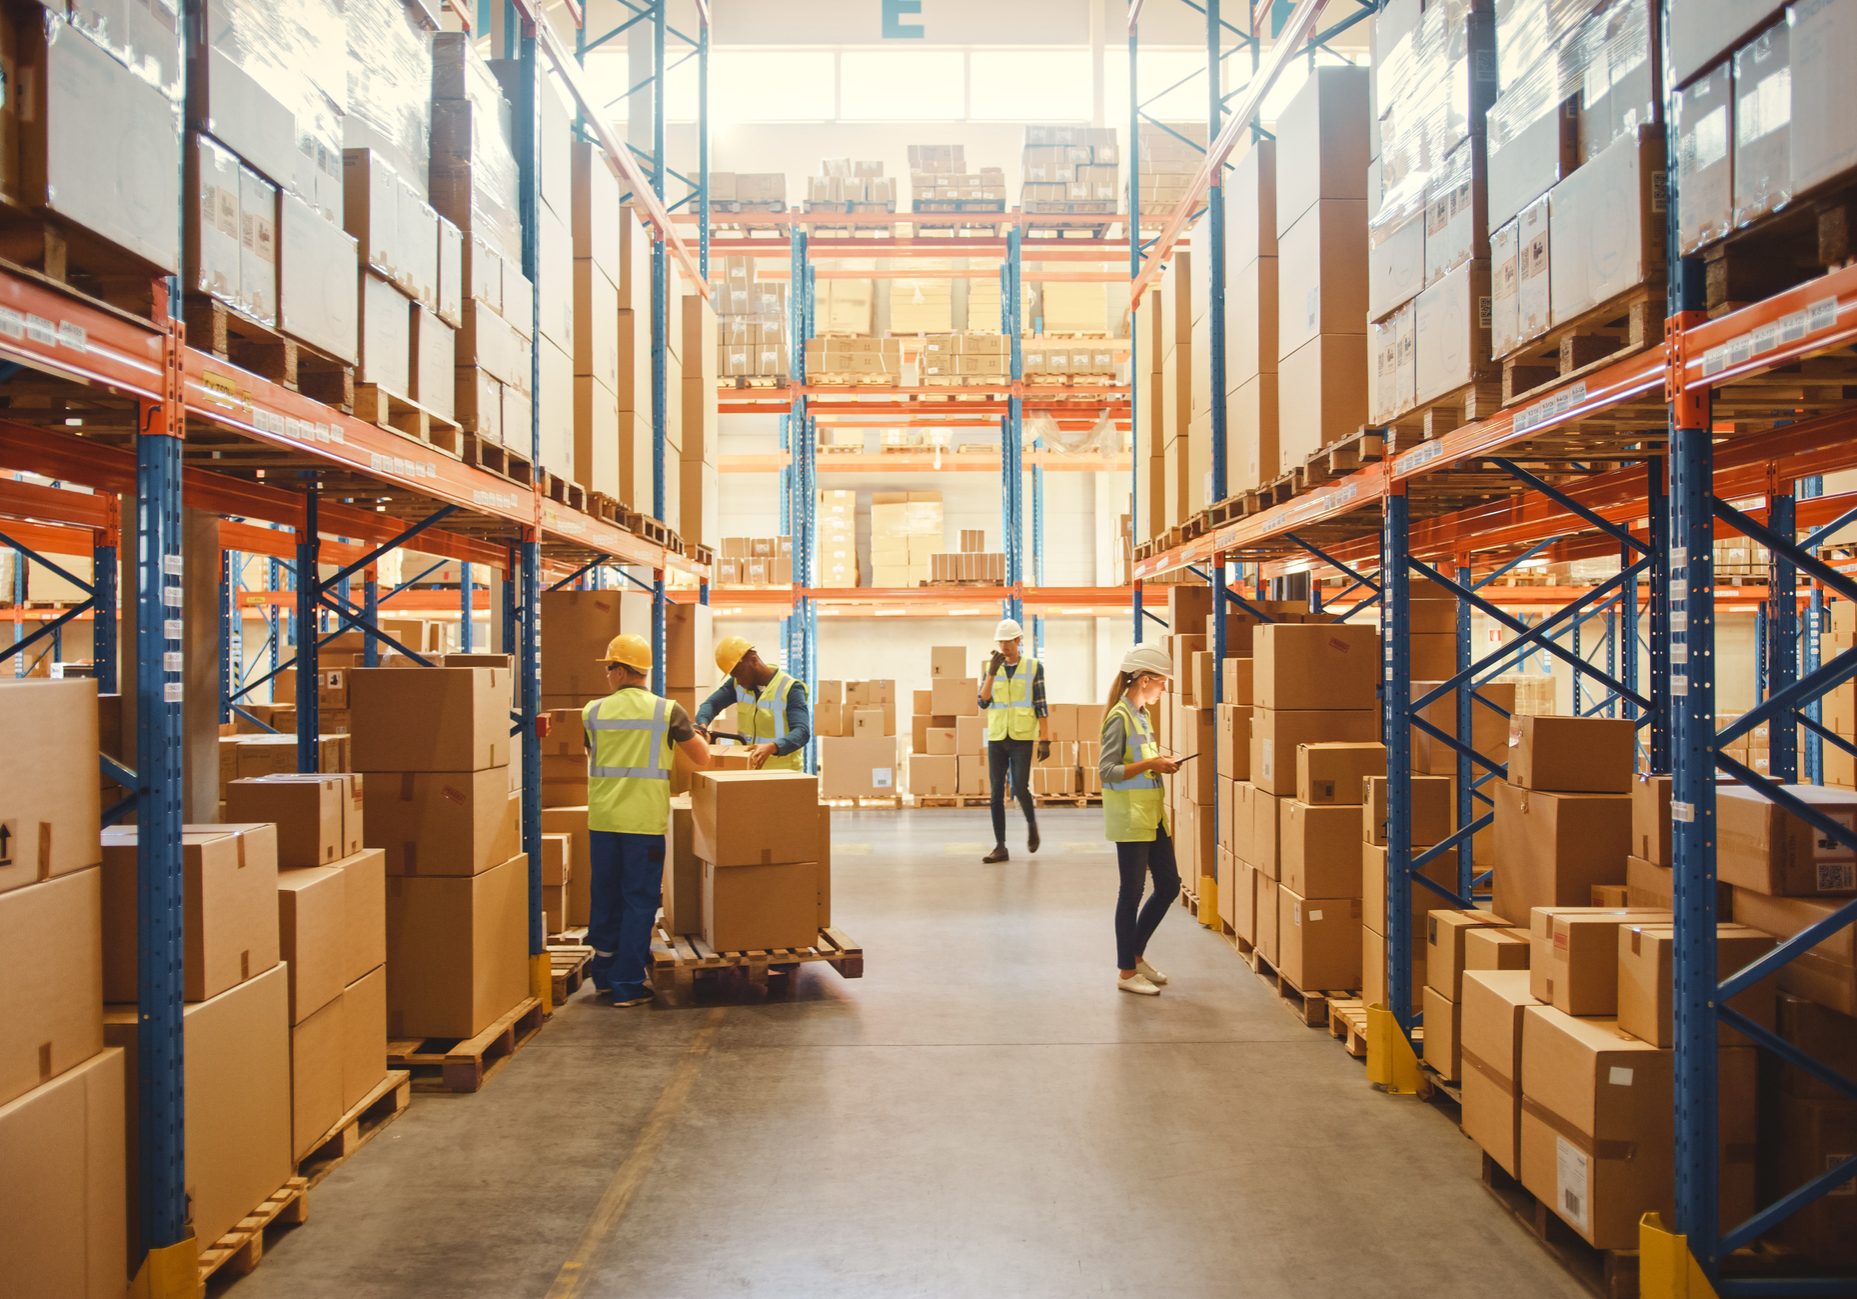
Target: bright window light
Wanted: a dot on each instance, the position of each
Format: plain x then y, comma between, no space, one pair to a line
1159,69
1031,86
901,86
748,86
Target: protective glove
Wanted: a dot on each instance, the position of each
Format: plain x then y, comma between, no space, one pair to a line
1044,750
994,666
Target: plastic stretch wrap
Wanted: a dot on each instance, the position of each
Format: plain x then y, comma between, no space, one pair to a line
1527,30
143,35
1436,87
1614,53
473,182
390,87
1763,115
257,64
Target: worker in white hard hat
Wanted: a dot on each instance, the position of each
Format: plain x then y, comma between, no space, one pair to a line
1012,696
772,712
1135,813
630,736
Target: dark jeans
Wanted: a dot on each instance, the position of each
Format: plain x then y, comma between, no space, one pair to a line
1015,755
1135,922
626,879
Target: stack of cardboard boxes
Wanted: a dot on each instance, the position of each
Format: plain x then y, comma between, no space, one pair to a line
761,845
836,524
755,561
854,359
972,564
947,750
1048,359
1070,169
856,725
906,529
1176,309
748,191
850,185
434,747
1151,373
1073,769
962,360
1250,320
920,306
1170,157
751,323
698,483
939,179
1563,814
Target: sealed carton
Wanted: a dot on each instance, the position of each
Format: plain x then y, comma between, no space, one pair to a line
442,823
683,873
312,906
755,818
760,906
1319,850
457,950
1646,978
1650,819
1269,918
1496,949
364,1036
1826,973
858,766
1606,222
51,980
316,1057
435,719
1766,848
364,912
1490,1058
1573,962
1442,1034
1332,774
1323,666
1319,940
49,800
1445,932
1431,815
311,812
1554,847
1277,734
1571,755
1375,973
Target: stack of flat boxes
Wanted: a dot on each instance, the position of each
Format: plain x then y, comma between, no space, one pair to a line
1322,148
749,191
1251,457
751,322
761,842
1063,307
332,928
1576,162
1429,278
850,183
699,487
972,563
1150,376
755,561
856,725
564,794
474,185
1177,310
1069,168
612,281
855,359
906,528
411,298
1170,158
1045,358
938,174
947,751
837,526
846,308
434,747
919,306
965,359
62,1091
1431,822
1073,767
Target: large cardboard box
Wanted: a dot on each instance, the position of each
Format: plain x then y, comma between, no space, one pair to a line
1571,755
442,823
63,1201
683,873
760,906
309,811
312,907
1490,1056
51,980
1606,224
457,950
1826,973
364,912
1277,734
364,1036
1322,142
237,1087
1763,847
579,626
1554,847
1496,949
1452,325
1445,931
1431,815
858,766
1319,940
1322,273
1596,1124
317,1052
1650,819
1333,774
1489,727
1646,979
572,822
1319,850
1704,111
1330,376
228,895
1443,1028
49,800
1574,957
435,719
1324,666
755,818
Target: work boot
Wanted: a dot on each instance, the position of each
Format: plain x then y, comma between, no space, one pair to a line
1031,837
999,854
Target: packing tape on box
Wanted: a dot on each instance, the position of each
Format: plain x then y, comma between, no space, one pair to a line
1471,1060
1599,1150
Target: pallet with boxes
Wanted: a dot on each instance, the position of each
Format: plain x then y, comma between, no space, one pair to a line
755,561
851,185
751,326
907,529
947,733
1069,170
941,186
856,725
746,194
1171,155
964,360
972,565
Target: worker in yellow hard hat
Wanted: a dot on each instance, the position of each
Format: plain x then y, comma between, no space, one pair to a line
1012,694
772,711
630,735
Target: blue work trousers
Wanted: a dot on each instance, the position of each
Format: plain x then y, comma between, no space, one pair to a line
626,881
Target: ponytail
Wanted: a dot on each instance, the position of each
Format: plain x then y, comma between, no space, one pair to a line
1117,688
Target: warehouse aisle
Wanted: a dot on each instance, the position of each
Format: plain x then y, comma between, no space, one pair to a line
982,1114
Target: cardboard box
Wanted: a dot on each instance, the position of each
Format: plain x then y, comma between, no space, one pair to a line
49,798
364,1036
1432,811
1596,1124
1324,666
1826,973
312,904
364,912
1269,921
1573,964
741,818
1442,1032
1554,847
1571,755
310,812
229,896
1452,323
237,1115
1319,940
858,766
954,696
1496,949
1441,870
316,1056
947,661
1702,30
1606,222
457,950
1645,979
683,873
1445,931
1763,847
1332,774
1329,376
1490,1056
51,980
1319,851
1322,142
1650,820
1822,36
932,775
774,904
1276,735
1811,1136
435,719
572,822
1322,273
442,823
62,1209
1704,112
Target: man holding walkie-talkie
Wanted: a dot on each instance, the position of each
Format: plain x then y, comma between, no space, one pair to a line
1012,693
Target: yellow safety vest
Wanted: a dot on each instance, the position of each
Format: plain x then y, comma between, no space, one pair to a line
629,776
763,717
1136,808
1011,715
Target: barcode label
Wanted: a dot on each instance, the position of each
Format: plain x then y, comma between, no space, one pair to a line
1571,1176
1684,812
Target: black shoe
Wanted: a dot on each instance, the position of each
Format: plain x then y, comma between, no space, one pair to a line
999,854
1031,837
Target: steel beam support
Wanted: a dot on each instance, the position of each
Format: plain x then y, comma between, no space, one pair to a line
467,604
1466,723
1012,427
370,610
309,588
1134,269
1782,641
1396,717
1658,513
230,657
525,576
103,617
1812,756
1215,226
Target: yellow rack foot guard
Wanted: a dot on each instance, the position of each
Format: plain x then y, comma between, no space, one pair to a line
542,981
1666,1268
171,1272
1208,901
1391,1064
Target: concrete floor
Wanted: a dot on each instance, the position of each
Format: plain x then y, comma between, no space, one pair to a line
981,1114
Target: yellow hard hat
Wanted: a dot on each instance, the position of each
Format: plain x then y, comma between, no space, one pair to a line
730,650
633,651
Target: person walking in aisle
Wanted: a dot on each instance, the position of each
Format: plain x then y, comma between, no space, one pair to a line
771,707
1013,695
630,734
1135,814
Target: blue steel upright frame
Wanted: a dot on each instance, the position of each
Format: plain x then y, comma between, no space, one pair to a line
801,503
1012,429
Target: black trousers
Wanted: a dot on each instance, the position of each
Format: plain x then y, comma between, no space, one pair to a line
1014,756
1135,922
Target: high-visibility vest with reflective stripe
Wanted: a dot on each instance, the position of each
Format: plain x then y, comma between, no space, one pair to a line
629,774
1012,715
1136,808
763,718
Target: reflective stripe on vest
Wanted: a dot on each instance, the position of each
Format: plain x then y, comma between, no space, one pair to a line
1012,713
763,717
628,785
1135,809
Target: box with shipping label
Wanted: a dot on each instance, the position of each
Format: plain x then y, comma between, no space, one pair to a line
858,766
1332,774
1319,940
1319,850
1764,847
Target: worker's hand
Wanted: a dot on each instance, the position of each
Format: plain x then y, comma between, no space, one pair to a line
1044,750
998,660
759,754
704,732
1166,766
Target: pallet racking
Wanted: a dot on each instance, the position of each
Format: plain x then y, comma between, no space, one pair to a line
123,406
1714,429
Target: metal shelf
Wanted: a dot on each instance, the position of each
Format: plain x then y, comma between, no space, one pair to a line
865,463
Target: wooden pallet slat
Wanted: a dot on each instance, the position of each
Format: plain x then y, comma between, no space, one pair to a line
679,956
463,1066
1627,323
1608,1274
388,409
383,1103
239,1251
568,967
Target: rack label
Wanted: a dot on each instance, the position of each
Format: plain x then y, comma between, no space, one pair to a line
173,693
173,661
1421,455
41,331
1679,684
1679,620
173,565
1684,812
1549,409
74,337
172,629
12,324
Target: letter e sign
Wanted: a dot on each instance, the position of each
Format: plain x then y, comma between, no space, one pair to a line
894,11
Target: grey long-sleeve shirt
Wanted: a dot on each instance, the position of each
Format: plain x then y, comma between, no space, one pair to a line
1113,765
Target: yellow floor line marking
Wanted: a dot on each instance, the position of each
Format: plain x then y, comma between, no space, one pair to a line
631,1174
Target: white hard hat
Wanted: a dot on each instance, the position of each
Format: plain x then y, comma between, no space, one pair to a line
1008,629
1146,658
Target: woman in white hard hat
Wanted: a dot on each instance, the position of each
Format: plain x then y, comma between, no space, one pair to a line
1012,696
1135,814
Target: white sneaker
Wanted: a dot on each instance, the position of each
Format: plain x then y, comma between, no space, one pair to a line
1148,972
1137,985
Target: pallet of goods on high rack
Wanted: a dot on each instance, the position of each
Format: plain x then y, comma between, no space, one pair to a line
1069,171
751,326
755,561
737,198
941,186
853,187
972,565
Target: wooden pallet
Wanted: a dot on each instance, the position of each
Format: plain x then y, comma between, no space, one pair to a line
568,964
1434,1086
67,256
952,800
656,531
887,803
1628,323
676,958
1609,1274
384,1103
442,1064
729,383
493,457
1067,800
377,405
1782,250
1311,1008
236,339
1347,1024
1442,415
239,1251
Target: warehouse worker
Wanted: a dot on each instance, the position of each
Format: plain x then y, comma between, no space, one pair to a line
1135,814
630,734
1013,696
771,707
